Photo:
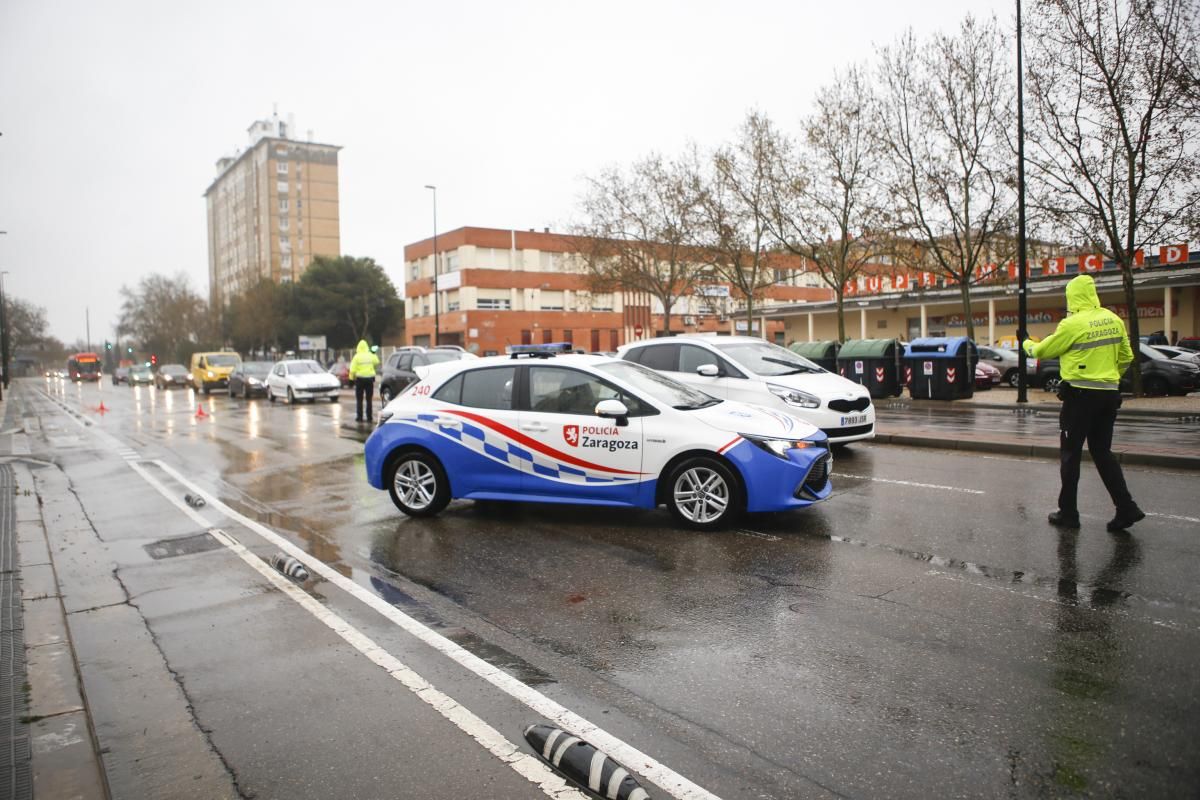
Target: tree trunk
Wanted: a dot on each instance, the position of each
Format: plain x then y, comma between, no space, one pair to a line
965,287
841,316
749,315
1134,327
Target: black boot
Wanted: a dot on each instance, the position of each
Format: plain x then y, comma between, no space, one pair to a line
1125,518
1062,519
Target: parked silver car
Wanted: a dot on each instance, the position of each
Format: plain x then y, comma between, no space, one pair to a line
1006,361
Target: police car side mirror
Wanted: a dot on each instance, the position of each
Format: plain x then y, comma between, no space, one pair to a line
708,370
614,410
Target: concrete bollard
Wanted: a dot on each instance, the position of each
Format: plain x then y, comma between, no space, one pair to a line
289,566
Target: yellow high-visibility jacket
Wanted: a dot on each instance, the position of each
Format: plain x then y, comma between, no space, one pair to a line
364,362
1091,343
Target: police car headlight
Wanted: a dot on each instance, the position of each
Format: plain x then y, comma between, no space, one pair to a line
794,397
779,447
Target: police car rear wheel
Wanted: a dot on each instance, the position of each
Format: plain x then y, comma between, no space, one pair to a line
703,494
418,484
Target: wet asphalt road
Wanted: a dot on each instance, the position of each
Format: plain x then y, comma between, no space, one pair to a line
922,633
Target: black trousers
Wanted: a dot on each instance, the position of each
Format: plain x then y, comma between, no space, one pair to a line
1088,415
364,394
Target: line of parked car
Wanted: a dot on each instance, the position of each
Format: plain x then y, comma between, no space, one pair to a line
291,379
1166,369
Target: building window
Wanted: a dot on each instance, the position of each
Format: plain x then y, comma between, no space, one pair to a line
551,301
283,205
494,304
285,245
416,272
283,223
285,261
281,187
281,168
452,305
450,262
602,302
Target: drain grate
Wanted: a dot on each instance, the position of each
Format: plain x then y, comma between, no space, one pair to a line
181,546
16,777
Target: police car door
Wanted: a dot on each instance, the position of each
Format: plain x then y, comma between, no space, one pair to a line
572,453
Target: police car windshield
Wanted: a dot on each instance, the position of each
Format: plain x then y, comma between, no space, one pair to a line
764,358
654,384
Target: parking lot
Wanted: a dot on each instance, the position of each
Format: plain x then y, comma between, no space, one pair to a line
922,632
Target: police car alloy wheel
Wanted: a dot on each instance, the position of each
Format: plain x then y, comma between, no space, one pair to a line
418,484
703,494
385,394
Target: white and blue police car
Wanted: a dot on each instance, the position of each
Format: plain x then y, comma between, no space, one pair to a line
542,426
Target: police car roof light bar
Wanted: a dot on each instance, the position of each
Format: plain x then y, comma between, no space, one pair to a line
538,350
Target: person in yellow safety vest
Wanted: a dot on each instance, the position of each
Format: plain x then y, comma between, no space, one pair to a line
1093,351
362,372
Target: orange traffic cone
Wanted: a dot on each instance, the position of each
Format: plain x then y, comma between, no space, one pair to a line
102,409
200,412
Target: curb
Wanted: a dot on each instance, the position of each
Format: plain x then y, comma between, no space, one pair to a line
1138,458
949,405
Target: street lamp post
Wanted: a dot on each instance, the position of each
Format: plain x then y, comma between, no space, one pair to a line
1022,265
437,329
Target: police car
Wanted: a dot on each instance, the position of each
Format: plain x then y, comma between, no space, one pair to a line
542,426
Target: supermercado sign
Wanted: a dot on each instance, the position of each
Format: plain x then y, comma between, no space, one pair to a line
1149,310
1168,255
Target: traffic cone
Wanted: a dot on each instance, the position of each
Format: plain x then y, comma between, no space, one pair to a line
102,408
200,412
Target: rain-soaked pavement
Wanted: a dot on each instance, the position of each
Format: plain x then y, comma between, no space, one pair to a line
922,633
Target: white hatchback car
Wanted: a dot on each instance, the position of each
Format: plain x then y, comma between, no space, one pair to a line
752,370
301,379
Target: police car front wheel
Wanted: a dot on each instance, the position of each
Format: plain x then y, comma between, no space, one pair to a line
418,484
703,494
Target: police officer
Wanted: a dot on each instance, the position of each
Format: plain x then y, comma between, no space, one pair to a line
362,372
1094,351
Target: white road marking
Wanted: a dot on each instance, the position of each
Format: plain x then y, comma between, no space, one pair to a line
672,782
488,737
675,784
1172,516
910,483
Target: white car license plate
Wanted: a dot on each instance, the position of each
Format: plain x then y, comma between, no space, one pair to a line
854,419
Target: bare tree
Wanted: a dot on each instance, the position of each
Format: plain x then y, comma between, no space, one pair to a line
165,316
638,226
826,205
735,204
943,119
1115,147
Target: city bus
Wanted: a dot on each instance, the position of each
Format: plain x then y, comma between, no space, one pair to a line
83,367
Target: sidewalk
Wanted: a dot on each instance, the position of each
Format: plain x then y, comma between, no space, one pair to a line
47,745
1151,431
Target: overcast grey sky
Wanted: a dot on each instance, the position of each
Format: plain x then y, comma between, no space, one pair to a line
113,114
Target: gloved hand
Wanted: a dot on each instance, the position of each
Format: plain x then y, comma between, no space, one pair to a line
1027,346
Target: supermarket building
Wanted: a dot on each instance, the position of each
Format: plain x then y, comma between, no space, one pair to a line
1167,289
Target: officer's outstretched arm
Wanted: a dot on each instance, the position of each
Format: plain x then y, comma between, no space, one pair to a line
1053,345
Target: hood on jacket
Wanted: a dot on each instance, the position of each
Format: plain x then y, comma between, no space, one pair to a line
363,347
1081,294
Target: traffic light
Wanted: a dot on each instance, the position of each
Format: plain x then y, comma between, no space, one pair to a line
107,345
153,359
129,350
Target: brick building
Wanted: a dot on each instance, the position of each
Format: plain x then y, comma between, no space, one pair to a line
499,287
272,208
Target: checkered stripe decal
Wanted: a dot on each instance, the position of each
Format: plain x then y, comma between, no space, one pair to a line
492,445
